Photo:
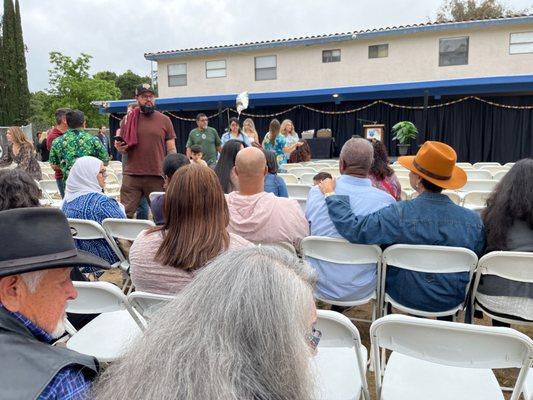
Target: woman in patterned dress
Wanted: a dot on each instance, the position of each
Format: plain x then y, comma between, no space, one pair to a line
21,151
275,141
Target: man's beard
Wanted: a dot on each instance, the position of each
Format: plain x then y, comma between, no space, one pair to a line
60,328
147,110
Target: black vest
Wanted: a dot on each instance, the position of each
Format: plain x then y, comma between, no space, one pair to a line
27,366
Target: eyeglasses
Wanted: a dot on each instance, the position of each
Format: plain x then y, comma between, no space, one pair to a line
314,338
103,173
147,97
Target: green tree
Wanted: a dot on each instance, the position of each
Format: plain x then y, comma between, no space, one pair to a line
128,81
40,115
71,86
464,10
106,76
8,111
21,74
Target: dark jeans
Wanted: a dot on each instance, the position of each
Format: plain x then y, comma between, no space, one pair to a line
61,186
142,210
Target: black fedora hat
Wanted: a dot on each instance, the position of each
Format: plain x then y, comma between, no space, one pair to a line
39,238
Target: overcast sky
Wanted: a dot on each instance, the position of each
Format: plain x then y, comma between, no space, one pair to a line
117,33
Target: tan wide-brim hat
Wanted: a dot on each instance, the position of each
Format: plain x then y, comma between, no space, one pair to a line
435,162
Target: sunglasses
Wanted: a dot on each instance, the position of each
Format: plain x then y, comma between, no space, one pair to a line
314,338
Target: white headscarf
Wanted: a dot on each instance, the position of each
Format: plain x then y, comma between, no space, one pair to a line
82,178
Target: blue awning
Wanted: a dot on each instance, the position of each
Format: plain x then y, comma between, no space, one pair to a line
467,86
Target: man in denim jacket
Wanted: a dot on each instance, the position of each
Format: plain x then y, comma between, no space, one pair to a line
430,219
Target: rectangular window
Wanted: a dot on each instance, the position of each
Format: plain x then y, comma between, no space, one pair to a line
215,69
265,68
521,43
453,51
378,51
331,56
177,74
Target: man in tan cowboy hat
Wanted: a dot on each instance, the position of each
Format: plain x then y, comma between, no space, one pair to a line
429,219
34,288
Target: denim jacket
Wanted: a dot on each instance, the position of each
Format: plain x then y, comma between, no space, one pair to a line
431,219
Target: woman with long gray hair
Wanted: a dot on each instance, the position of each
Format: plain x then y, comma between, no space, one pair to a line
241,330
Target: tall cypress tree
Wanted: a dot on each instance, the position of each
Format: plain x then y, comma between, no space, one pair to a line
23,93
9,63
2,81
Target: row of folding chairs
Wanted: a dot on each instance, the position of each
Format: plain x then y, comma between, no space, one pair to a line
475,165
429,359
475,199
299,171
488,172
516,266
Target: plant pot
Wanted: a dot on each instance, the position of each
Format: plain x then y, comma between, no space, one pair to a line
403,149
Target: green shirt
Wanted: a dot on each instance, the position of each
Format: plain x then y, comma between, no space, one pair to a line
209,141
72,145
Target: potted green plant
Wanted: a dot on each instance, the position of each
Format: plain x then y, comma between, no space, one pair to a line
404,132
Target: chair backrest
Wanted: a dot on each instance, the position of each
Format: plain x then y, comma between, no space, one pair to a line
464,164
451,343
112,179
290,166
282,245
528,386
333,171
153,195
125,229
307,179
289,178
509,164
487,164
426,258
513,265
404,182
479,184
478,174
404,195
499,175
49,186
454,196
477,198
298,191
402,174
340,251
146,304
493,169
299,171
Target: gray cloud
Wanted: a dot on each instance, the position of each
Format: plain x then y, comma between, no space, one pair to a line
117,33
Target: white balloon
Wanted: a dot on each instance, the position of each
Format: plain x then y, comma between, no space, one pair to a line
242,102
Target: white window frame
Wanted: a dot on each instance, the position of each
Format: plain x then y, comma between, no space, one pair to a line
209,69
266,68
178,75
326,59
519,43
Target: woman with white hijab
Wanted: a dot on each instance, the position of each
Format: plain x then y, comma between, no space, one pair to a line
84,199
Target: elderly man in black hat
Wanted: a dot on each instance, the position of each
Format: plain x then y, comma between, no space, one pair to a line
35,286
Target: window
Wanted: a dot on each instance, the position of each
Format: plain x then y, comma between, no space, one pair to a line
215,69
453,51
378,51
265,68
331,56
521,43
177,74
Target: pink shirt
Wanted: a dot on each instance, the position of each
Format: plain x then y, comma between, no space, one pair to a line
148,275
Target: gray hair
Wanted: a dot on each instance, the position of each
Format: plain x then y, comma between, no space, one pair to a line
237,331
33,279
358,152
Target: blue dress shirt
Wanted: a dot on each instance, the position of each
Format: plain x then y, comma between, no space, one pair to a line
340,281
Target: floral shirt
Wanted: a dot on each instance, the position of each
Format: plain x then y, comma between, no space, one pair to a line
72,145
276,147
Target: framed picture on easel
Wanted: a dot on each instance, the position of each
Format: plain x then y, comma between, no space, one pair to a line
374,132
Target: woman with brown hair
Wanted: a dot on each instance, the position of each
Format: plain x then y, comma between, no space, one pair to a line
275,141
166,258
381,174
21,151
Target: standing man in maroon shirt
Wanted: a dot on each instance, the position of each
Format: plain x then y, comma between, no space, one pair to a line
60,128
147,137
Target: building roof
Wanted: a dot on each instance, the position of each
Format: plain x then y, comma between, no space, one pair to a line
340,37
452,87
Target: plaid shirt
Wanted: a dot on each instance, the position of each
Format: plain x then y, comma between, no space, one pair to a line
69,383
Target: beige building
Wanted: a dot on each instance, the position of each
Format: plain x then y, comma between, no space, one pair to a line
418,53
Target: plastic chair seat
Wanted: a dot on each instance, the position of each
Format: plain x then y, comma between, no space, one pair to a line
336,373
408,378
106,337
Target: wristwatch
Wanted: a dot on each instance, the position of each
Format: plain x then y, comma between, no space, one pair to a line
326,195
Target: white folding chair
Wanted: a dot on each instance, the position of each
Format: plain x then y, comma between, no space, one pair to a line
464,164
49,188
404,182
153,195
125,229
454,196
493,169
484,185
528,386
299,171
487,164
509,164
405,195
108,335
430,259
298,191
324,161
289,178
499,175
402,174
442,360
146,304
307,179
340,363
475,200
288,167
340,251
112,188
512,265
478,174
333,171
